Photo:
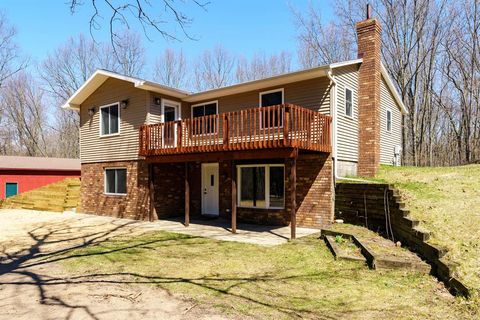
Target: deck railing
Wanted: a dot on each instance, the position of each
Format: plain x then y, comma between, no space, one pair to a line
280,126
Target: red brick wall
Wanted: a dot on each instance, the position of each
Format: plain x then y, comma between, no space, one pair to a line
134,205
369,42
169,183
314,192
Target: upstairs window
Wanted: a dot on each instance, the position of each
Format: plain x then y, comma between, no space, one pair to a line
389,120
272,118
109,120
116,181
348,102
205,109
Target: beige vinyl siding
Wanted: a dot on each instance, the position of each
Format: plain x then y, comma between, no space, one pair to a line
155,110
313,94
388,140
124,146
347,127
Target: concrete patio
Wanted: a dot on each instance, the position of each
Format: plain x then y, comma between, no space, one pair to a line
217,229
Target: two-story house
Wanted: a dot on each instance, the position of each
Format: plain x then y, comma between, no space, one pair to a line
265,151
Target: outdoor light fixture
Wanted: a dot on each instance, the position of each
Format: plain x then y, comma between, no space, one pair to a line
158,101
91,111
124,104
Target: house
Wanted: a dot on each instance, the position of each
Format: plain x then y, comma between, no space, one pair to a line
264,151
20,174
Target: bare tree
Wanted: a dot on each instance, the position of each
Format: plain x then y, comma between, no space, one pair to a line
320,43
213,69
130,54
66,68
23,108
9,51
262,66
162,17
171,69
411,34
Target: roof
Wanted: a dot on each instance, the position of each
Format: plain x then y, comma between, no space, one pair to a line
100,76
37,163
392,88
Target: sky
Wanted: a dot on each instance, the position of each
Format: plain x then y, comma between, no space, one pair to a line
243,27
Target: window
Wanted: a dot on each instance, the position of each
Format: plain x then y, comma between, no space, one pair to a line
389,120
205,109
348,102
261,186
116,181
272,118
109,120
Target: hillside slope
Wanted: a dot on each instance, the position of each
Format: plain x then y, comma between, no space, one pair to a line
446,201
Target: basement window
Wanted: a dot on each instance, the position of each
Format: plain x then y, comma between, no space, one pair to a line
389,120
261,186
348,102
116,181
109,120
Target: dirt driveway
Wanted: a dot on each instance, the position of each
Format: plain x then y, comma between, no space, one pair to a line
33,285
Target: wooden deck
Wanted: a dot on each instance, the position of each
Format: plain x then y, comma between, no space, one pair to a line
282,126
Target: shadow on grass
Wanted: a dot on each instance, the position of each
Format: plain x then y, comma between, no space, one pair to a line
22,262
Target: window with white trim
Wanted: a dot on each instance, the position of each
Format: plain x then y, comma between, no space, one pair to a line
261,186
348,102
109,119
205,109
116,181
389,120
271,119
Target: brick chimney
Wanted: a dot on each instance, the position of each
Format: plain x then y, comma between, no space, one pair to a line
369,42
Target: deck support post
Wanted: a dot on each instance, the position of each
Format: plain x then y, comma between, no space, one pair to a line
234,198
151,193
187,197
293,201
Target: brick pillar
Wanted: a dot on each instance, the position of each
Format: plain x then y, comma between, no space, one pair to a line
369,42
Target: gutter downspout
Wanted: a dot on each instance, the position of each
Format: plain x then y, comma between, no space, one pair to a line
334,138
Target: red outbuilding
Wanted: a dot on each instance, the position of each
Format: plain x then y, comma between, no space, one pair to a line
20,174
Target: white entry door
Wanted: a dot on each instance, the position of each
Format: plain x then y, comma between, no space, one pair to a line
210,189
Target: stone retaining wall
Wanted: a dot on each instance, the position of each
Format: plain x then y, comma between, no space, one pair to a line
374,205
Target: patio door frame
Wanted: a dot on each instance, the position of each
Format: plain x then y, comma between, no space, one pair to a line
177,105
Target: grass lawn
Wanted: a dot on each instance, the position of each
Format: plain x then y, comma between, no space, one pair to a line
447,203
299,279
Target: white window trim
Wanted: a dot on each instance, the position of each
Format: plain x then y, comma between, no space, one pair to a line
267,185
105,181
164,102
260,94
101,122
386,120
345,102
203,104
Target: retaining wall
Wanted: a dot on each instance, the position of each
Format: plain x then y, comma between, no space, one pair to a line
379,208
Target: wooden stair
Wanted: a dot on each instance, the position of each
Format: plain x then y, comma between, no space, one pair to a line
59,196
